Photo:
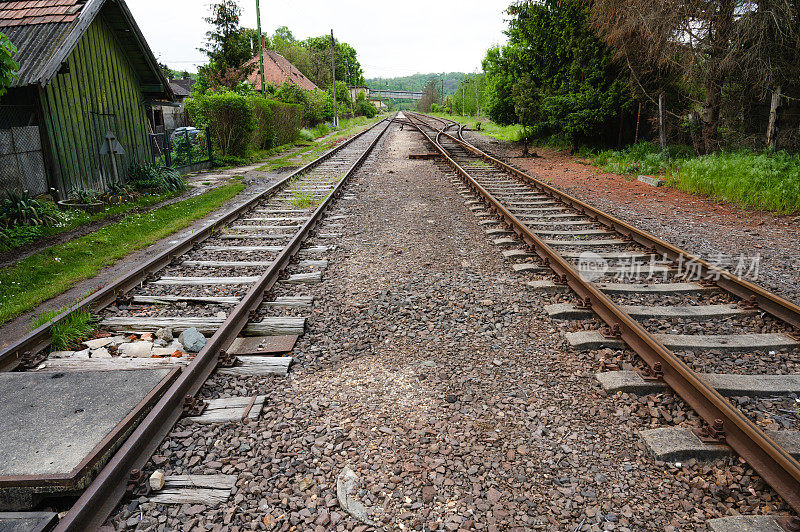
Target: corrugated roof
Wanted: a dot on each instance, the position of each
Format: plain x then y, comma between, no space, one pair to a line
277,70
36,44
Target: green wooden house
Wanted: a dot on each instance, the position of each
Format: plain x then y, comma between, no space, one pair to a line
86,72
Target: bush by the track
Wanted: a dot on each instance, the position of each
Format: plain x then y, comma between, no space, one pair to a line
240,124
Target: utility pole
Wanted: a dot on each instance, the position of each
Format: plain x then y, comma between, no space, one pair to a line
443,73
477,98
462,96
261,48
333,70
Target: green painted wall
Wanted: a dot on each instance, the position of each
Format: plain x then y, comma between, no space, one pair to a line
99,93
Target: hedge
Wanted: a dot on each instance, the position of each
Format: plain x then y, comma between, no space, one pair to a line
240,124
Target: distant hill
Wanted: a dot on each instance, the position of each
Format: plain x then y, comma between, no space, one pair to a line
417,82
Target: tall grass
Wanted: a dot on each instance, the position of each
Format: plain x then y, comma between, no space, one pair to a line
752,181
65,334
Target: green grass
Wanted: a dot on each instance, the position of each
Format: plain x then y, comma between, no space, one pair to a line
68,220
308,151
513,133
54,270
301,199
65,334
752,181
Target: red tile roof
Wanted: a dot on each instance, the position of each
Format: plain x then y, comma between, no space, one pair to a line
24,13
277,70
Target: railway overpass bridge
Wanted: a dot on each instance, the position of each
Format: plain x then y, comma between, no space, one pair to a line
397,95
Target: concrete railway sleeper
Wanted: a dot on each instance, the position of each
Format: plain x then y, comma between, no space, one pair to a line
123,393
693,328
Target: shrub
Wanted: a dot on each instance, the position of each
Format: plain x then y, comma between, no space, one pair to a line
230,117
20,208
364,108
318,107
154,177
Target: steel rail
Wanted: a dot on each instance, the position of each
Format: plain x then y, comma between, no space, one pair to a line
773,463
36,340
107,489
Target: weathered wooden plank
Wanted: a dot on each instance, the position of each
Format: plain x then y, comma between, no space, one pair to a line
259,365
227,263
167,300
301,278
222,482
192,281
205,324
290,301
110,364
207,497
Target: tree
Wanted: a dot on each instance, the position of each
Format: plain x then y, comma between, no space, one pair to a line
8,67
227,45
562,78
717,48
429,96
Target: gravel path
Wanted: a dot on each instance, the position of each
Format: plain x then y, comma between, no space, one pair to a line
432,373
711,229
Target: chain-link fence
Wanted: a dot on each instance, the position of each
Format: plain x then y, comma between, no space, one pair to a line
182,148
21,160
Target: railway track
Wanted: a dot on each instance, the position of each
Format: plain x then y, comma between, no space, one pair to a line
693,325
216,282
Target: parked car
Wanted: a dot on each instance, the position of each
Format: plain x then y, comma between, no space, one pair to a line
181,131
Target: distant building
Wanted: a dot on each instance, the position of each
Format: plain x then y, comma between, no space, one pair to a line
86,71
277,70
171,115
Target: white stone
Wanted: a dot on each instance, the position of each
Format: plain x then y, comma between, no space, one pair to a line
135,349
100,353
98,342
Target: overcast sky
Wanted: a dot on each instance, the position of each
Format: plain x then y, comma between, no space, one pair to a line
392,38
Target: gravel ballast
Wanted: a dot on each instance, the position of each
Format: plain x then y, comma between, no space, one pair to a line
431,371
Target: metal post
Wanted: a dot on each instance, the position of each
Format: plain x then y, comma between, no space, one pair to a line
333,69
208,146
167,150
261,47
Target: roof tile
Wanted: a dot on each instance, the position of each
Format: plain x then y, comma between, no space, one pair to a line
30,12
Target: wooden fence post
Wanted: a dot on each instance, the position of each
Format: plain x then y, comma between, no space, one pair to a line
773,118
662,133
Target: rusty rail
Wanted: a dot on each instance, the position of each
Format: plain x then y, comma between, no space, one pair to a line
39,338
775,465
108,488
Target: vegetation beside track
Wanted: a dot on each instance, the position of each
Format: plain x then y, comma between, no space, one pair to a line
745,178
310,148
748,179
51,272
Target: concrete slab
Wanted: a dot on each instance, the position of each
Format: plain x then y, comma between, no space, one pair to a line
652,288
745,523
727,343
725,384
44,417
568,311
677,444
585,243
27,521
652,181
547,286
